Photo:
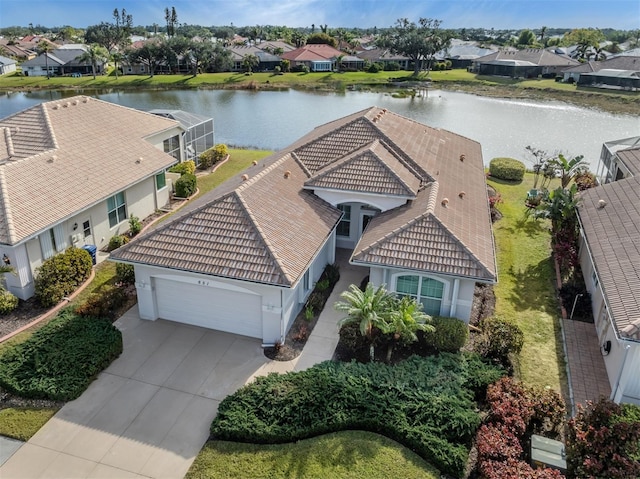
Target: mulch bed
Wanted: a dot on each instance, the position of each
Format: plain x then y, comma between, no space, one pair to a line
26,312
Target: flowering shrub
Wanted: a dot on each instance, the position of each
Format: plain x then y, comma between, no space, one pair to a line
496,443
514,468
495,200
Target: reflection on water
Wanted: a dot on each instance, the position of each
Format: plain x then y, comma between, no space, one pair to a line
274,119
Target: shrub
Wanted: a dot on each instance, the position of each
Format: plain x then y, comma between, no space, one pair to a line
450,334
61,274
104,304
374,68
392,66
116,241
500,339
134,225
186,185
125,273
60,360
422,403
8,301
497,443
184,168
213,155
507,169
603,440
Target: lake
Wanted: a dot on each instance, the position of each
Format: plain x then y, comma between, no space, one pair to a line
274,119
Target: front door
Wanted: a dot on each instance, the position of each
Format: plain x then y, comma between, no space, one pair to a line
87,233
365,217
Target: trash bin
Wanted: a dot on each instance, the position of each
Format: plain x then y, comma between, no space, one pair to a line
92,250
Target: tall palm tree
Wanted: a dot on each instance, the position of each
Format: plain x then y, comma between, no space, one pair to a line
94,54
117,58
45,47
405,319
368,309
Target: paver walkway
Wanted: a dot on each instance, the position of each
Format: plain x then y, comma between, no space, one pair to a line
588,374
148,414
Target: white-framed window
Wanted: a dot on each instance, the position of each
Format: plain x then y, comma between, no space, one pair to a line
425,290
161,181
116,209
344,227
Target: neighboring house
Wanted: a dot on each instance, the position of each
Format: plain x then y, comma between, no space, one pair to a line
71,173
322,58
410,201
573,74
612,79
198,134
385,57
62,61
528,63
7,65
462,55
267,60
609,218
16,51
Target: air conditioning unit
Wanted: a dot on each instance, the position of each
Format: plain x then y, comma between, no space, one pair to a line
75,239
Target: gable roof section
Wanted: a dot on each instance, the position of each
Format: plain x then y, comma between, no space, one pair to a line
70,154
245,234
612,234
371,169
536,56
312,52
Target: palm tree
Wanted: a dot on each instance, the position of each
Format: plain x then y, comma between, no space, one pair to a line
117,58
368,309
249,62
45,47
93,55
568,167
405,319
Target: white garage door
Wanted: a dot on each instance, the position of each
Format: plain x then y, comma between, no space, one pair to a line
213,308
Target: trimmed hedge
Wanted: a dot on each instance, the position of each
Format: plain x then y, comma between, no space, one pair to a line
449,336
60,275
8,301
424,403
183,168
213,155
507,169
60,360
116,241
186,185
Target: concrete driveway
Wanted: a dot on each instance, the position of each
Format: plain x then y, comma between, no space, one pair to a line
148,414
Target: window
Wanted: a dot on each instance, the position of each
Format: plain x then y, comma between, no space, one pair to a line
86,229
427,291
344,227
161,181
594,279
117,209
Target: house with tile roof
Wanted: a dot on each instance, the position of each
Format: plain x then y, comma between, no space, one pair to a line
7,65
321,58
61,61
609,217
527,63
622,62
408,201
72,172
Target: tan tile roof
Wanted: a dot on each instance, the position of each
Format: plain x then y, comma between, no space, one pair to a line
62,156
613,236
267,230
371,151
372,169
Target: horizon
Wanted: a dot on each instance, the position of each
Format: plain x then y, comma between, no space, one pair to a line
454,14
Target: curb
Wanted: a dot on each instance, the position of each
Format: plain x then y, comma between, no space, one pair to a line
54,310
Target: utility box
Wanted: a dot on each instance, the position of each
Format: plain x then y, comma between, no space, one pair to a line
547,452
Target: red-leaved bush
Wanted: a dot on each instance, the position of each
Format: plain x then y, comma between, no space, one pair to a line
603,440
515,469
497,443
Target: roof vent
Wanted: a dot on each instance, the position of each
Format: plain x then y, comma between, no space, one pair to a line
52,159
67,104
85,100
75,102
139,160
462,157
602,203
245,177
462,194
445,202
287,174
255,162
56,106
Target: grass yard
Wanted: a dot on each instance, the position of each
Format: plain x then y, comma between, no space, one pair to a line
22,424
525,291
344,455
240,159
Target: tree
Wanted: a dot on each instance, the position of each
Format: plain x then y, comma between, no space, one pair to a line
150,54
526,39
94,54
543,32
200,53
567,168
117,58
249,62
45,47
322,38
366,308
171,17
403,322
112,36
584,39
419,42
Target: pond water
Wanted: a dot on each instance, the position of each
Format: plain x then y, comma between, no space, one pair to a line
274,119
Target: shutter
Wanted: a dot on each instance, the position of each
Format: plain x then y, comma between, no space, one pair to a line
46,245
61,239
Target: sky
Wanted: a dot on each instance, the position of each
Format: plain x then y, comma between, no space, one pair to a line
498,14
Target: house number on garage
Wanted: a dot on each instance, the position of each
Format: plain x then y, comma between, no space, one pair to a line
203,283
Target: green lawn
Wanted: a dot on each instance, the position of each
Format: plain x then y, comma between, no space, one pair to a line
344,455
525,291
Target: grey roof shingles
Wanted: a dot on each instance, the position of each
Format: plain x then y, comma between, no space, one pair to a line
279,214
67,155
612,233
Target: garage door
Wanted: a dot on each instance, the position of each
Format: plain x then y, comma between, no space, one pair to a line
213,308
